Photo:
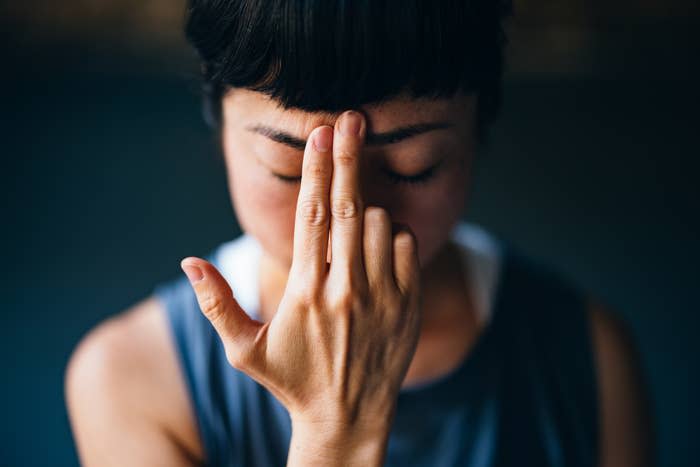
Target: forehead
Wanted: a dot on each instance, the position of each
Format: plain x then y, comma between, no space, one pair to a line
245,106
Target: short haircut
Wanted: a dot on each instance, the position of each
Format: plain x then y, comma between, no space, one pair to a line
331,55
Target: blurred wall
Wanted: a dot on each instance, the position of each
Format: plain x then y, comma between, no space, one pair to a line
110,177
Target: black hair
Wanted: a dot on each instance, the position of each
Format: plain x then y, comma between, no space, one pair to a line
332,55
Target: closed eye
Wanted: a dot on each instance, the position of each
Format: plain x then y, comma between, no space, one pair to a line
287,178
419,178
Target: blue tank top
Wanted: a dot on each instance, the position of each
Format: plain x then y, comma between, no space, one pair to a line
525,395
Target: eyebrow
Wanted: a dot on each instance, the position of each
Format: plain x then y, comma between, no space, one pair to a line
376,139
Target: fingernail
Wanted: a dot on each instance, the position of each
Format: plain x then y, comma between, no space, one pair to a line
351,124
193,273
322,139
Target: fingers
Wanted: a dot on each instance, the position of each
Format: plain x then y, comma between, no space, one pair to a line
377,241
347,209
236,329
406,264
312,211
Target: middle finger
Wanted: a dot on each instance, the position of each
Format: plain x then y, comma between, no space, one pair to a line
346,201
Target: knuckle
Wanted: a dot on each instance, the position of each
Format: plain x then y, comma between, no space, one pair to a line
360,302
212,305
376,215
313,212
350,296
309,297
342,302
302,293
345,158
344,207
315,172
395,301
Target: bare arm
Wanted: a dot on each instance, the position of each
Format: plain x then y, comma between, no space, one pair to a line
626,435
124,399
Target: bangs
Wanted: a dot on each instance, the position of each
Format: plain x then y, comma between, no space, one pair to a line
325,55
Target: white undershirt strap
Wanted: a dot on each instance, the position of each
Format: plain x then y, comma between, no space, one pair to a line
239,260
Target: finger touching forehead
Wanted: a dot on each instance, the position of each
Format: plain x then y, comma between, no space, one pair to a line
244,108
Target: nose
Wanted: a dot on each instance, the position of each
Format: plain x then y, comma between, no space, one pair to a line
373,191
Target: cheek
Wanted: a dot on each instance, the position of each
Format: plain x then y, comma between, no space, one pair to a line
264,207
432,211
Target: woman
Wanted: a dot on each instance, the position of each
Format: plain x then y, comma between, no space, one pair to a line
358,320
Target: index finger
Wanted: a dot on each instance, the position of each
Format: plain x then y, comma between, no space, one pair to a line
312,215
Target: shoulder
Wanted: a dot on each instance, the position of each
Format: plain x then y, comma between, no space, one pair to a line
123,384
624,424
626,434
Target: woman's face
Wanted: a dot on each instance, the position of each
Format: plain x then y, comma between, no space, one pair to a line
405,137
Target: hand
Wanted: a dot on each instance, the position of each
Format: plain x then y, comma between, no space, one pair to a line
338,348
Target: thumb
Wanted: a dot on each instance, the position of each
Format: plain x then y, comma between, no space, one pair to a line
236,329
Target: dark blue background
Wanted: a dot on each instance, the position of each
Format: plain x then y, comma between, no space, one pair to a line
110,177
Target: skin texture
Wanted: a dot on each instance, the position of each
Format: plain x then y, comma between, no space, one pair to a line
338,346
124,376
265,206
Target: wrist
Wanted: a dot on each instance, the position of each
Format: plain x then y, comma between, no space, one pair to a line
329,444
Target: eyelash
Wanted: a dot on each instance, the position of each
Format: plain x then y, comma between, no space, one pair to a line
417,179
